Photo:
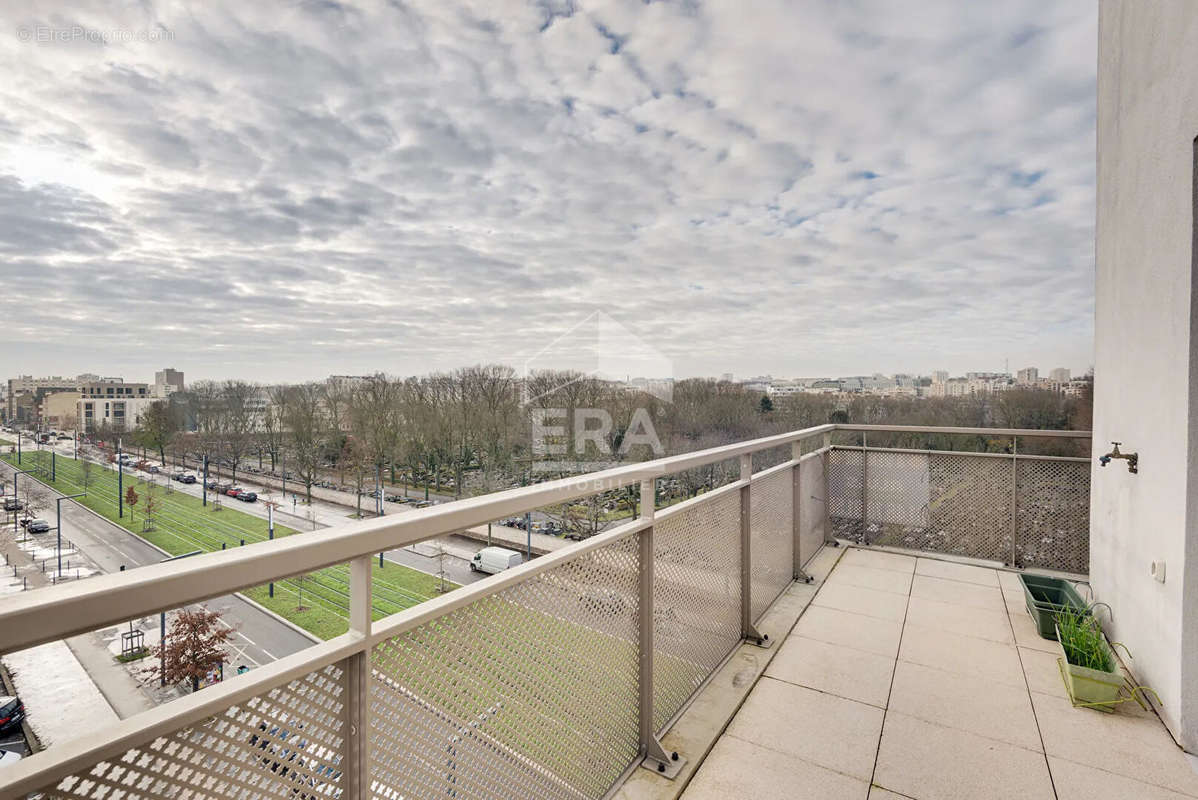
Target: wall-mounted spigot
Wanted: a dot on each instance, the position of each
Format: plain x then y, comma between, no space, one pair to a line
1133,459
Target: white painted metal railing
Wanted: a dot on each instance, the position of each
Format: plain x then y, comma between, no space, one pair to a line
551,680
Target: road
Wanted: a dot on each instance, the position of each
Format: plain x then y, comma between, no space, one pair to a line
260,639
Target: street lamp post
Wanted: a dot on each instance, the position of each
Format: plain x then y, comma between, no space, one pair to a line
120,483
58,524
204,488
18,447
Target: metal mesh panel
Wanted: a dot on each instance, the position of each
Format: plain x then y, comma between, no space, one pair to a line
899,490
844,493
696,598
771,528
1053,508
284,743
813,512
530,693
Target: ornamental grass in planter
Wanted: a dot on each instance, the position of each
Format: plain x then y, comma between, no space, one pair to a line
1088,664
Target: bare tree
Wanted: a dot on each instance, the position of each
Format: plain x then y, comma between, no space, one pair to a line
305,418
242,403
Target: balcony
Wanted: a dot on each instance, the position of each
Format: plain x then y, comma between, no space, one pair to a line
819,583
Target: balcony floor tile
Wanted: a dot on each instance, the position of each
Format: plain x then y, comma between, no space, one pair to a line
977,622
965,702
882,580
736,768
951,570
879,560
1079,782
1128,742
959,592
858,600
932,762
857,631
966,655
842,671
847,731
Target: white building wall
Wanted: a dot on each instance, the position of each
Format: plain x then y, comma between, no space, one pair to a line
1146,363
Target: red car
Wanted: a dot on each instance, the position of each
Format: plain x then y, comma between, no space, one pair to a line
236,490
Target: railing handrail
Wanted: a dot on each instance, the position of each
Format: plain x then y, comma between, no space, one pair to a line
967,431
60,611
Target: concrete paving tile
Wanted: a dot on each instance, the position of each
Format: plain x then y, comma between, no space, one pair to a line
978,622
1028,635
883,580
965,702
967,655
879,559
736,768
1043,674
1135,745
1009,581
859,600
878,793
822,563
858,631
1079,782
950,591
831,668
829,731
951,570
932,762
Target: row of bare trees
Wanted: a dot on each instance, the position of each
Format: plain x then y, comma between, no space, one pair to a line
484,427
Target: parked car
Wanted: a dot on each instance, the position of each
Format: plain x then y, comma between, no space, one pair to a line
247,497
12,713
213,484
38,526
13,504
233,491
187,477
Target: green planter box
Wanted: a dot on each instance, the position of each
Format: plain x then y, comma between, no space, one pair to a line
1046,597
1091,687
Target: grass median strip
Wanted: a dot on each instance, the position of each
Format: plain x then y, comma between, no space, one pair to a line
317,602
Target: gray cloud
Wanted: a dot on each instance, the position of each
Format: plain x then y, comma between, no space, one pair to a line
793,187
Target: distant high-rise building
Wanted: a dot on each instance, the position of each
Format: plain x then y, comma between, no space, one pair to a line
1060,375
1027,375
940,376
166,381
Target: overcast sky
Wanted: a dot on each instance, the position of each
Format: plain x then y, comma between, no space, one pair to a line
281,192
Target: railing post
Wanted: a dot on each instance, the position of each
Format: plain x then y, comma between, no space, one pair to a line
1014,495
796,506
358,677
654,756
864,489
829,538
748,629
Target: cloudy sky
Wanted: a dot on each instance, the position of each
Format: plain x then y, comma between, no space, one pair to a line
795,187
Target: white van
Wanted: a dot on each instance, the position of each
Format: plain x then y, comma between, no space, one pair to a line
494,559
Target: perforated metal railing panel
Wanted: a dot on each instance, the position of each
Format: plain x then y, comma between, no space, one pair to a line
813,509
844,476
961,503
696,598
286,743
1053,507
771,529
530,693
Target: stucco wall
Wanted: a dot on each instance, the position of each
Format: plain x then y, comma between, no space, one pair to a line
1144,364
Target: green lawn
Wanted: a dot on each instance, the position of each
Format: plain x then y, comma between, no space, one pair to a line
183,524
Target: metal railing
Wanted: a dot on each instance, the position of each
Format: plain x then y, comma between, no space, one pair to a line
551,680
1022,510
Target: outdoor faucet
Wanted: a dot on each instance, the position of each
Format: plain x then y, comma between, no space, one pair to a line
1133,459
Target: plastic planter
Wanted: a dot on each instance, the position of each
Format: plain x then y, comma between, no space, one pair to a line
1092,688
1046,597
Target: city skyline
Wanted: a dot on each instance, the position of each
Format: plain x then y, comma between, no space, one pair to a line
262,193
